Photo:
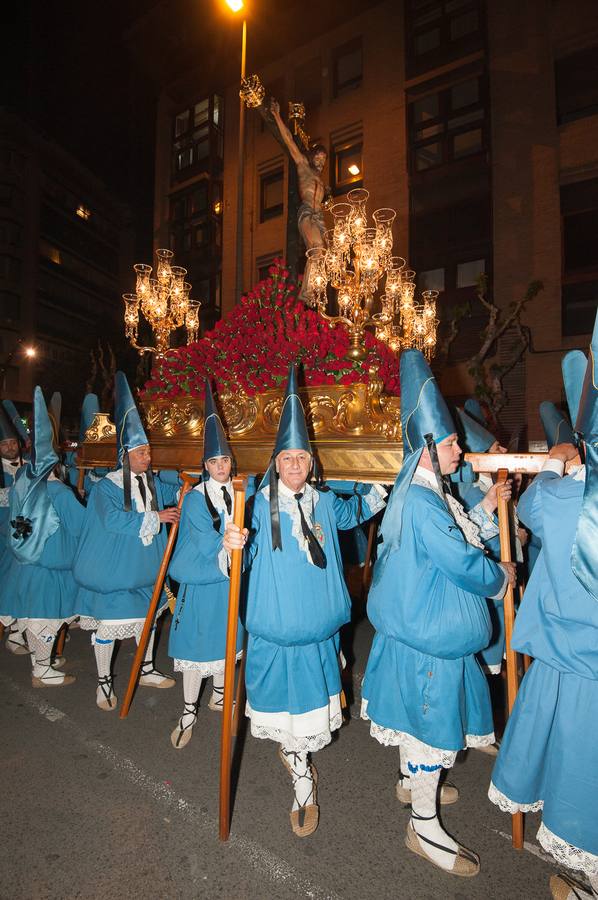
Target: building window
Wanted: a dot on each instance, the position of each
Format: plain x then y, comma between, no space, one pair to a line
579,213
347,65
438,31
308,83
198,136
447,125
10,267
181,123
271,195
263,263
201,235
49,251
576,78
10,307
199,199
431,280
468,273
347,166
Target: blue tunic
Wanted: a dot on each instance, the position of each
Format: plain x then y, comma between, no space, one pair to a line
548,752
6,556
427,604
471,495
47,590
295,609
198,631
115,571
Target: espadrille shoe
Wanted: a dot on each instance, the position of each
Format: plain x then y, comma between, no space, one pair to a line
562,887
448,793
150,677
49,678
17,644
467,863
182,734
305,820
105,696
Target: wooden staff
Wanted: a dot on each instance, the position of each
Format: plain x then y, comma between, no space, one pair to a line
61,639
188,481
504,527
236,566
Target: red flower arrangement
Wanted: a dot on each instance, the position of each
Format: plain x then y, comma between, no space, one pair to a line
252,347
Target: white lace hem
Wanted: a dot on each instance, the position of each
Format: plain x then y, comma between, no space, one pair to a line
116,629
150,526
417,751
4,496
510,806
566,854
304,732
205,669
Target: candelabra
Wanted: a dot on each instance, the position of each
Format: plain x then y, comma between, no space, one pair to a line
164,302
356,261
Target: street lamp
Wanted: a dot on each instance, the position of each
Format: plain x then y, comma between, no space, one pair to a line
28,351
236,6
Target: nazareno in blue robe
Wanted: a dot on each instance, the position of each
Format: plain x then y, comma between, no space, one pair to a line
200,565
5,554
113,567
47,589
293,616
548,756
423,684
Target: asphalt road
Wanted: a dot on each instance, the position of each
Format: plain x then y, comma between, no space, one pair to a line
95,807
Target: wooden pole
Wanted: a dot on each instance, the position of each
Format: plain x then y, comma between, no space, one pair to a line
61,639
509,612
151,612
236,565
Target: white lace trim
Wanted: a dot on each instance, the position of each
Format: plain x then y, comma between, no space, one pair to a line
493,669
510,806
4,496
205,669
288,505
375,500
485,521
149,527
299,732
418,751
116,629
309,744
46,629
566,854
7,620
470,531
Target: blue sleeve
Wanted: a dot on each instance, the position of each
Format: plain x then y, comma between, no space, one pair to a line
347,512
529,508
464,565
70,511
195,560
109,509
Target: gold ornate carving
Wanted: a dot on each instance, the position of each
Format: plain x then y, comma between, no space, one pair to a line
101,429
356,428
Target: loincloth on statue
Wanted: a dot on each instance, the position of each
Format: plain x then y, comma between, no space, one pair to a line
313,216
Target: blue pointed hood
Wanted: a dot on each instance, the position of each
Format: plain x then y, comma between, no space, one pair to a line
473,438
573,366
557,427
13,415
89,410
130,432
423,412
584,555
292,429
473,408
32,517
55,413
214,437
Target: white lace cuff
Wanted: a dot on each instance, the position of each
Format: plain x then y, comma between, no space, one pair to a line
224,562
149,527
375,498
4,493
485,521
500,594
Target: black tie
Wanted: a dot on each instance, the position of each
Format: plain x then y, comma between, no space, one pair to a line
318,557
227,500
142,490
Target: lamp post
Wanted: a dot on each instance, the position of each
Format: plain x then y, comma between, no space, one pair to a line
236,6
28,351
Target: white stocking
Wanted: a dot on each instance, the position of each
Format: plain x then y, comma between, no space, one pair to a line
103,650
149,653
300,771
191,687
404,777
41,651
424,818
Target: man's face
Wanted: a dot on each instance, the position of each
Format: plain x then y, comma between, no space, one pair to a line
140,459
9,449
449,453
293,467
319,160
219,468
